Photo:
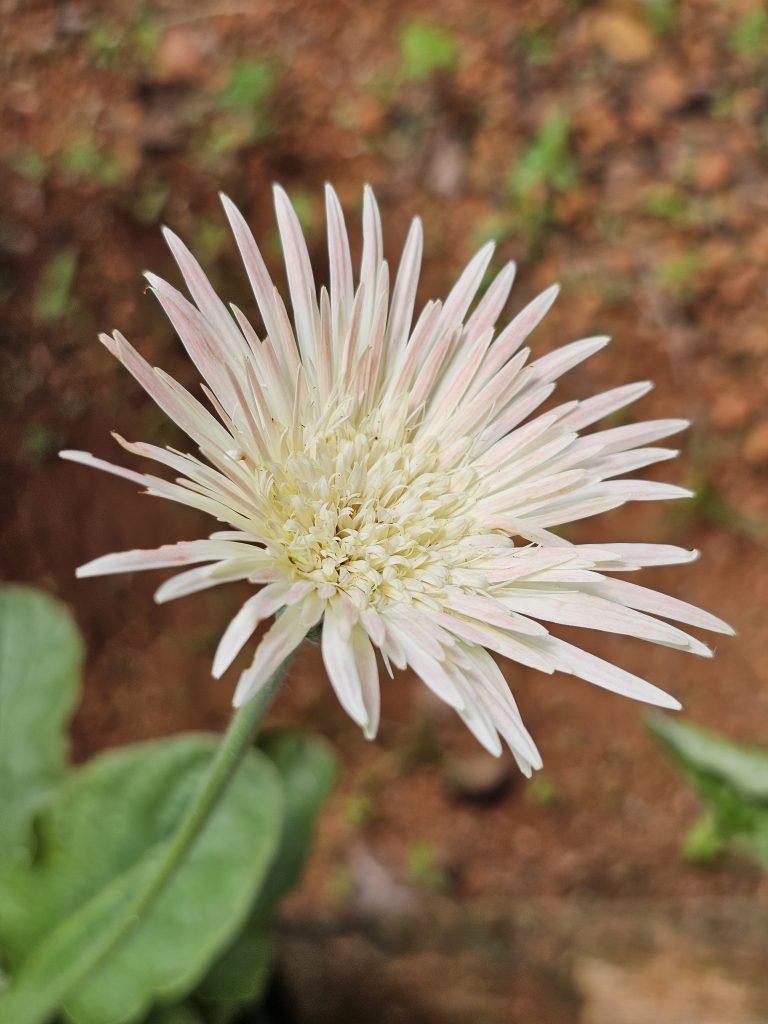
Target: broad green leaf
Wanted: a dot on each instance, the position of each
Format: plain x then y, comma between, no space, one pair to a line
40,659
241,974
307,769
181,1014
745,768
730,778
99,840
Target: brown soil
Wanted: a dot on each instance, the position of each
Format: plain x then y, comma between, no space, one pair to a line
113,122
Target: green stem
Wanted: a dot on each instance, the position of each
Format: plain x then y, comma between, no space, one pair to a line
234,743
233,746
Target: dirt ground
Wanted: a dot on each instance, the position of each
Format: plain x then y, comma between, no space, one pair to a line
649,207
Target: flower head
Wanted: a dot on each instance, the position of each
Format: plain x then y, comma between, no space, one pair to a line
395,480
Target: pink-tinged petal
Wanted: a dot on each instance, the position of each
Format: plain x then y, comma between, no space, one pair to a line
527,651
197,336
165,557
430,369
513,336
481,406
301,281
404,293
427,668
493,693
86,459
194,580
493,612
459,376
280,640
591,410
340,262
341,666
513,415
473,714
208,302
161,488
373,624
373,248
629,462
579,663
463,292
418,346
635,435
255,268
652,554
255,610
555,364
174,400
491,304
368,673
645,599
589,611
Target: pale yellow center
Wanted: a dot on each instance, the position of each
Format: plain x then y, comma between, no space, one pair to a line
364,509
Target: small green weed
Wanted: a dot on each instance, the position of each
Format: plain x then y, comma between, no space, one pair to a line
53,295
425,49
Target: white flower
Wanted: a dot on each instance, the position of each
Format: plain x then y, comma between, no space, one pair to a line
394,481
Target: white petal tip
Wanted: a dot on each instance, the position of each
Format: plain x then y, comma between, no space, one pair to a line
241,695
670,703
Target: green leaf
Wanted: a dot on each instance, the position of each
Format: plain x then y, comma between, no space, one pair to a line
703,753
99,840
426,48
54,289
307,768
40,659
546,161
730,778
181,1014
241,974
251,83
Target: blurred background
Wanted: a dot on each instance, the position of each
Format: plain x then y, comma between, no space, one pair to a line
619,148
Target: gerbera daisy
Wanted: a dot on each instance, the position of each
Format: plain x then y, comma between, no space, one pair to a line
392,483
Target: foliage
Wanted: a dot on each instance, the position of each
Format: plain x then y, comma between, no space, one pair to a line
40,658
84,159
542,791
731,779
76,843
678,274
669,204
54,289
426,48
538,45
662,15
423,868
250,84
29,164
544,169
750,36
